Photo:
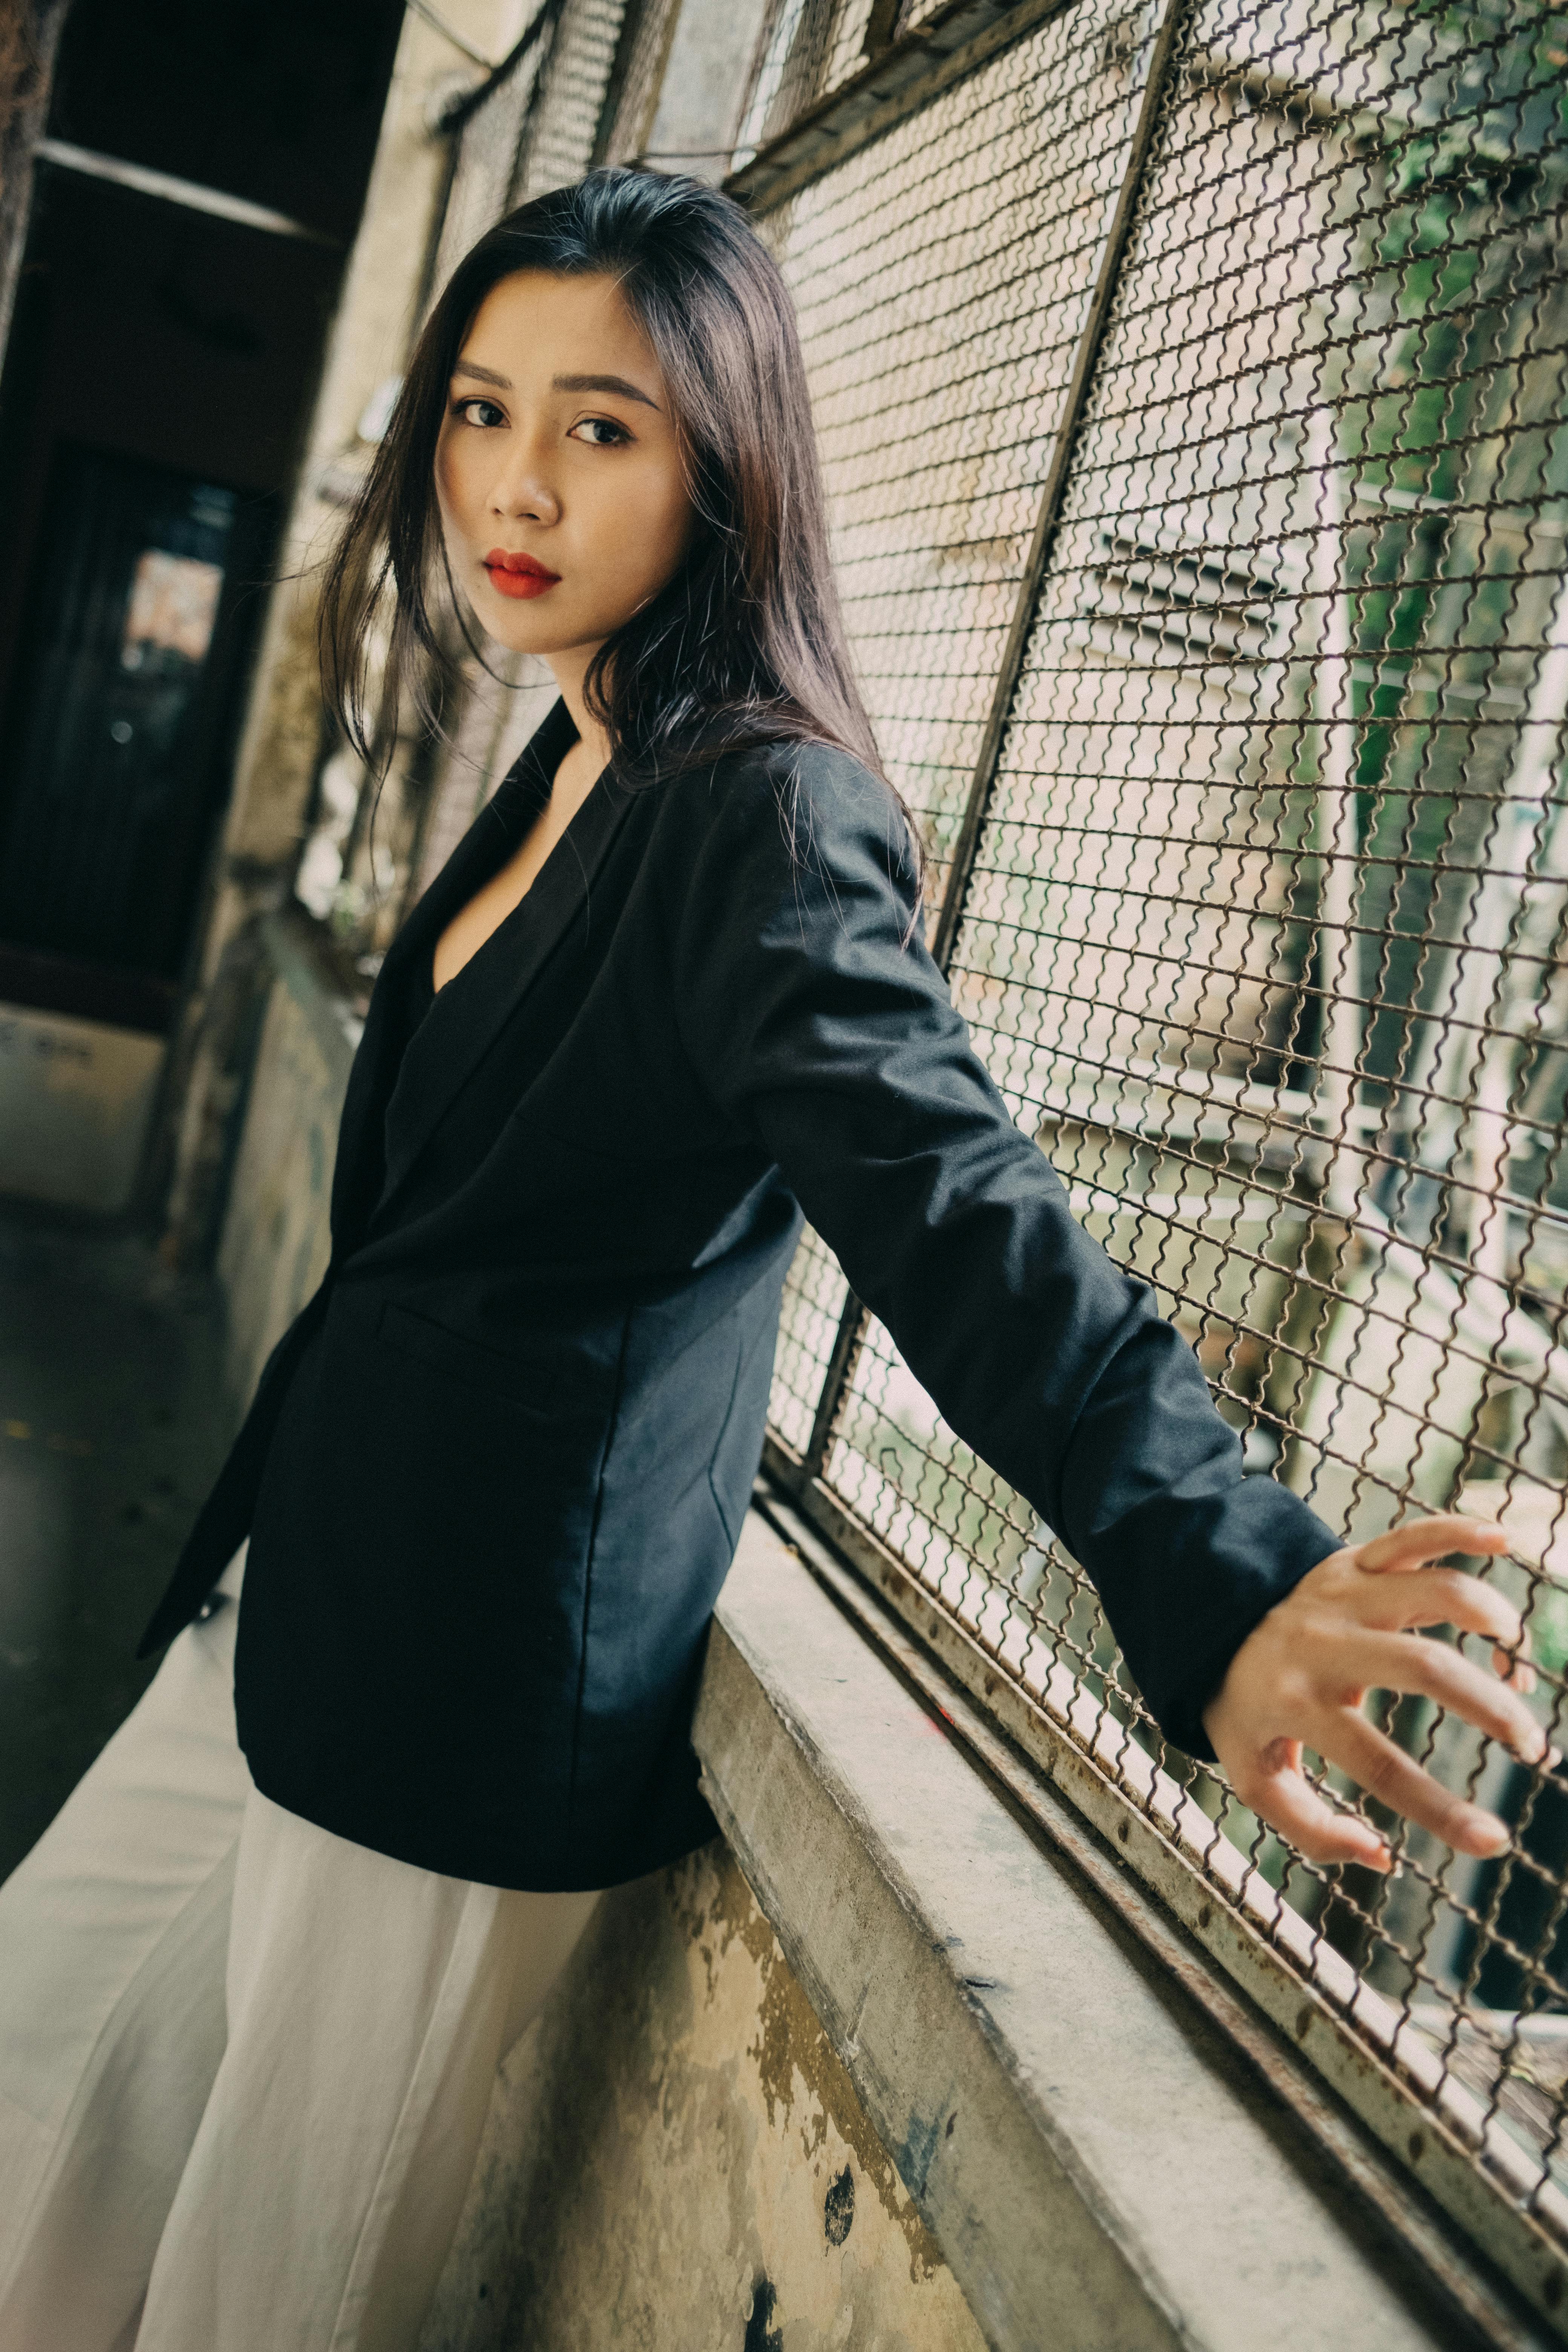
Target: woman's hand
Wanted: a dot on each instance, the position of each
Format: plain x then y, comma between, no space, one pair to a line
1301,1679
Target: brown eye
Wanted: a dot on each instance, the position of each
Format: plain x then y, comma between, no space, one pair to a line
601,431
483,412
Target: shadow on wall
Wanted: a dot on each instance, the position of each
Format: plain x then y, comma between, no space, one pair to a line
676,2156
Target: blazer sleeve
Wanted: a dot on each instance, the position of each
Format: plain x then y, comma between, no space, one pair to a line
813,1019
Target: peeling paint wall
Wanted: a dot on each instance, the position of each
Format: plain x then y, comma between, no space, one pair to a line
676,2161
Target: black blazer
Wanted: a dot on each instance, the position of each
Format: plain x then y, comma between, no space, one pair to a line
495,1473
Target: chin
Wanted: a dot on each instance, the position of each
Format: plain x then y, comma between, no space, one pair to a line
519,627
523,628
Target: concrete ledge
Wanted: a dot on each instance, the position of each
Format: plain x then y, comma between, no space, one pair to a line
1099,2165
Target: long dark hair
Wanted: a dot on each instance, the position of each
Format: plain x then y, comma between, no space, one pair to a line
746,643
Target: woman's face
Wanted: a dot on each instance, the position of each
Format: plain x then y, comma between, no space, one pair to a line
558,467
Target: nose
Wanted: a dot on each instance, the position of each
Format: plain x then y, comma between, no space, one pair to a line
522,491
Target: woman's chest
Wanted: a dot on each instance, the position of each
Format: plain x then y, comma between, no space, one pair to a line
578,1110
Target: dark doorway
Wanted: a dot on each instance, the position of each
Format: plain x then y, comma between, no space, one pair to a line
156,388
108,749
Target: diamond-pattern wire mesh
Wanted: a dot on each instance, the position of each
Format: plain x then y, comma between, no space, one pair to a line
814,1300
942,278
1264,938
788,67
844,51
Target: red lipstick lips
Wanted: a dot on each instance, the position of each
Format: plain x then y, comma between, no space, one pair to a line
518,575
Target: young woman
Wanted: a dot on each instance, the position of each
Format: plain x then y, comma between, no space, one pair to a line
668,993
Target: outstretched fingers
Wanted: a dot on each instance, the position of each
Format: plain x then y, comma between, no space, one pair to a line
1402,1590
1396,1779
1280,1796
1441,1596
1419,1540
1402,1661
1348,1627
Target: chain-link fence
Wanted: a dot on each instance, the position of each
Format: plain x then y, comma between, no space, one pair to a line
1192,393
1191,383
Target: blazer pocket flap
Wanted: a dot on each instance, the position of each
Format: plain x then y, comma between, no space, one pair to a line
551,1388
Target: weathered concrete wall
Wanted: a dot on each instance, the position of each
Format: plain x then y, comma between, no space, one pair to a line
676,2158
275,1240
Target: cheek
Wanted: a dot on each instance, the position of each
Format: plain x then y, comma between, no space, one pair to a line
663,526
455,487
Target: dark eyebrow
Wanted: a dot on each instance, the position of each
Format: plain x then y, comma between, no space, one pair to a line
604,383
560,384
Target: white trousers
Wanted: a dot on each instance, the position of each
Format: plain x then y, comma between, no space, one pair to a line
244,2064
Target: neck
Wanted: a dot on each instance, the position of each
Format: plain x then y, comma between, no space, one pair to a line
571,668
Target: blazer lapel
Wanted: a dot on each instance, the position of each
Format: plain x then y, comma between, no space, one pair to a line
468,1013
489,840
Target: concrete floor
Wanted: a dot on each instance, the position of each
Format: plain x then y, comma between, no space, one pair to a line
113,1420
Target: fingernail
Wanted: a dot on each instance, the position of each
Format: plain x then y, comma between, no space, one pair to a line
1489,1835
